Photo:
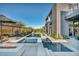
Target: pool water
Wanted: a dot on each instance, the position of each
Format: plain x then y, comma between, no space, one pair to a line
54,46
28,41
32,38
34,35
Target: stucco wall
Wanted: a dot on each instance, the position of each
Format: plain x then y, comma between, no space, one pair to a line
60,7
64,24
54,19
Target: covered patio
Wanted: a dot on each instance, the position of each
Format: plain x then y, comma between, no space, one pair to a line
73,24
8,28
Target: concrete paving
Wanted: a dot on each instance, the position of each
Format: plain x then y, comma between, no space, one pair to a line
73,42
18,50
30,50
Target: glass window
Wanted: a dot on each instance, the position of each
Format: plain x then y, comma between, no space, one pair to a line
76,6
70,7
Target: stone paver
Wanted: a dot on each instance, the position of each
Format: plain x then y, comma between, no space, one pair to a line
74,43
30,50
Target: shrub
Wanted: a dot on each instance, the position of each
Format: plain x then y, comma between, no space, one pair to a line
65,37
62,36
53,35
43,34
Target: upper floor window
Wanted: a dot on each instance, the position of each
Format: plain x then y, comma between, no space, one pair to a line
70,7
75,6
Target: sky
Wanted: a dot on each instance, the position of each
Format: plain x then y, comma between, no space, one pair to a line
31,15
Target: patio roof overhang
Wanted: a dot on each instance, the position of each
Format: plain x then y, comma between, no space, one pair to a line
73,18
73,15
16,24
3,21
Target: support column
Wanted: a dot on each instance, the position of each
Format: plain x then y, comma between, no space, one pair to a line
49,25
58,25
73,28
48,29
78,27
72,31
1,28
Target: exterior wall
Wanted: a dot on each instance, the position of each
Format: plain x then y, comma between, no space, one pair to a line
53,20
64,24
60,7
47,26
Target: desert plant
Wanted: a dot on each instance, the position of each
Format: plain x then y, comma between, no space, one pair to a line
53,35
62,36
65,37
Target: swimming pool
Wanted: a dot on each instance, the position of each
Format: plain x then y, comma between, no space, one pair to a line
28,40
32,38
54,46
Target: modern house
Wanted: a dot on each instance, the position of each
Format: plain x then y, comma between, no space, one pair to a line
8,26
61,18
